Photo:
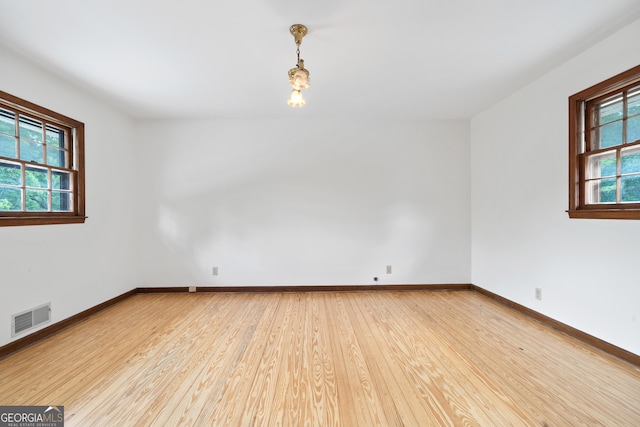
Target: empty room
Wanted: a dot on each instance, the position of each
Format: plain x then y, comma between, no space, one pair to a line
287,213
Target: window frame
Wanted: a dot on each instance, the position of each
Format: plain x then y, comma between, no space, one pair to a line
578,208
77,213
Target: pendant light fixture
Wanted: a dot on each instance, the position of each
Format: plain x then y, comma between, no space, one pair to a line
298,76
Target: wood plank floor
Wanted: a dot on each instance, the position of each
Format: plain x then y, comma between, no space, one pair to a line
320,359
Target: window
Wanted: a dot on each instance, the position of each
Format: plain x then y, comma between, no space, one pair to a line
604,149
41,165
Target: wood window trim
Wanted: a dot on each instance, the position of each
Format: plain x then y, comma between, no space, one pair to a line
577,206
77,214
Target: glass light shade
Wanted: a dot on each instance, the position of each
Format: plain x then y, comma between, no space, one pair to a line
296,99
299,79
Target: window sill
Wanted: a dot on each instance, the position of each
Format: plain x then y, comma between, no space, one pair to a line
9,221
605,213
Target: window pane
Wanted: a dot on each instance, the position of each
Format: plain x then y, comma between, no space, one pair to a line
609,110
36,177
8,146
10,199
61,202
633,102
633,129
630,160
30,129
7,122
601,165
31,151
55,157
601,191
37,200
630,188
608,135
10,174
60,180
55,136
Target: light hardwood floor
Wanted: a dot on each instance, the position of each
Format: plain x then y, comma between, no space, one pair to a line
320,359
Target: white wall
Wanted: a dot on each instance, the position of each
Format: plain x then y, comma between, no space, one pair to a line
522,237
303,202
77,266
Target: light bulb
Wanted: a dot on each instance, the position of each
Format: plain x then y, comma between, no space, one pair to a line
296,99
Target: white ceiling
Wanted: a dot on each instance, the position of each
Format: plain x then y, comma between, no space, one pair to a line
440,59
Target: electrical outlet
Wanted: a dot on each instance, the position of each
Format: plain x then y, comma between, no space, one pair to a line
389,269
192,289
214,271
539,294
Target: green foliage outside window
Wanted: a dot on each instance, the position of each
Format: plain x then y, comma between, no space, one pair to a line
611,135
37,186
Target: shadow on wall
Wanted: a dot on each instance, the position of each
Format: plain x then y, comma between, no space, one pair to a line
321,219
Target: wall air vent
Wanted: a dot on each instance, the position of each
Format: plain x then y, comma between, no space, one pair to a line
27,320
